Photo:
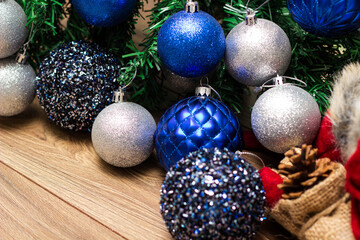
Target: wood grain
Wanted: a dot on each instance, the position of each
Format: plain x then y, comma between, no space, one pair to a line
29,212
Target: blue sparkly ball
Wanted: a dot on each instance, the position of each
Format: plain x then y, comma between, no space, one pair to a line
326,18
104,13
75,82
191,44
212,194
194,123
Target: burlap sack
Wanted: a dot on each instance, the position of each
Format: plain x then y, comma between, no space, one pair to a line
334,223
294,214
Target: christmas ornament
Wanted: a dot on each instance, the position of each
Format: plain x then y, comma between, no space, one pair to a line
285,116
304,171
212,194
104,13
123,133
271,180
75,82
257,50
17,86
12,27
193,123
326,18
178,83
191,43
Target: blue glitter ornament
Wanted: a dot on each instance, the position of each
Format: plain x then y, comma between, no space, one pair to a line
104,13
191,43
212,194
75,82
326,18
193,123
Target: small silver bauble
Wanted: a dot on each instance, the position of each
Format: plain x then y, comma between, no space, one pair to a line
256,51
285,116
123,134
17,86
12,27
178,83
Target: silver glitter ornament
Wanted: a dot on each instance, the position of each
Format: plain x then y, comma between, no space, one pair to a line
12,27
17,86
285,116
256,51
178,83
122,134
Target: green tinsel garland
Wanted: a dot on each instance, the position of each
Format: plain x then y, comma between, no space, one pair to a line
314,59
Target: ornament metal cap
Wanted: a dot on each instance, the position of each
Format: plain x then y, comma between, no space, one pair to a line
280,80
250,17
21,57
192,6
119,96
203,91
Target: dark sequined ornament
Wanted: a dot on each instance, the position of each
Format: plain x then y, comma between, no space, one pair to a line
75,82
212,194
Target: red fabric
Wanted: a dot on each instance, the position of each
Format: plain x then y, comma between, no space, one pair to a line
353,187
270,180
326,143
251,143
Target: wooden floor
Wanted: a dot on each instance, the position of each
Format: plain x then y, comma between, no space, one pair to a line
54,186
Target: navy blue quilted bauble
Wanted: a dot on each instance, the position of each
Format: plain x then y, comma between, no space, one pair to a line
194,123
326,18
191,44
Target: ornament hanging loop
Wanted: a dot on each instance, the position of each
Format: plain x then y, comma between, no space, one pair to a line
250,16
192,6
205,90
280,80
21,56
253,155
119,95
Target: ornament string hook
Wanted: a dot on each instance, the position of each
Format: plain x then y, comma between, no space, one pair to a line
206,88
119,95
251,154
247,4
280,80
21,57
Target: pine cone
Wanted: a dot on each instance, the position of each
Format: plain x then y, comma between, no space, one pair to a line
302,171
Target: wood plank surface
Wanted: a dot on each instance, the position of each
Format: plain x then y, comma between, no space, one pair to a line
27,211
69,180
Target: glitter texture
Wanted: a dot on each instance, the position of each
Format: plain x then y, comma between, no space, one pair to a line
75,82
194,123
122,134
17,87
178,83
12,28
326,18
191,44
212,194
256,53
285,116
104,13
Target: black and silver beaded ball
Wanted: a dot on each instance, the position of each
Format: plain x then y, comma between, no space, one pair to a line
75,82
212,194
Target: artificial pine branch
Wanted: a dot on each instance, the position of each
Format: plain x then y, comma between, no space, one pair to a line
314,59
